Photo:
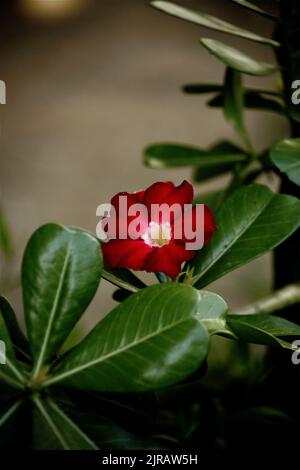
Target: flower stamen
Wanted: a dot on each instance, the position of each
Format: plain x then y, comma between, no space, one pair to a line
157,235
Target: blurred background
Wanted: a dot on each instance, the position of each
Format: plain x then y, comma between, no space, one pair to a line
89,85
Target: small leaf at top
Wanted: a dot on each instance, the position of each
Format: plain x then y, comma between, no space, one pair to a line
255,8
176,155
236,59
209,21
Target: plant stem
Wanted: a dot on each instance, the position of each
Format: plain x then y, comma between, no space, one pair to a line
278,300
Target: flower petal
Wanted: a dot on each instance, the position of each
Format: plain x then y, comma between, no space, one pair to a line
190,222
125,254
161,260
122,220
167,192
178,251
182,194
131,198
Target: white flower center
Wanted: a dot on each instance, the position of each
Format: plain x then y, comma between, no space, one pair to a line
157,234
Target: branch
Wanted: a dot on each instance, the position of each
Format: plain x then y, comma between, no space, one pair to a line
277,300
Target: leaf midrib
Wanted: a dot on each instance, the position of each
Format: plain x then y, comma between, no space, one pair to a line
74,371
53,312
11,381
9,413
14,369
72,424
50,422
291,166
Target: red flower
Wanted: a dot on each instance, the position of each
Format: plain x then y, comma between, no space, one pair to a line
155,250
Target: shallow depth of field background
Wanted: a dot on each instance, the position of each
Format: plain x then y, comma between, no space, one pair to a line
89,85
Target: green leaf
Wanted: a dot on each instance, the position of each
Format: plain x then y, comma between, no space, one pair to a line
203,88
8,412
263,329
234,103
252,100
130,411
236,59
220,149
212,199
17,336
209,21
54,430
106,434
5,237
10,425
213,312
255,8
150,341
208,172
124,279
250,222
10,372
175,155
286,157
61,271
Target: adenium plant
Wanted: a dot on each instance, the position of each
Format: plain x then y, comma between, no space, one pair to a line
135,381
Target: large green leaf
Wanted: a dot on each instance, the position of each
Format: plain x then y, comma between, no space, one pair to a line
255,8
263,329
236,59
152,340
286,157
61,271
107,434
209,21
175,155
54,430
250,222
10,372
17,336
252,100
